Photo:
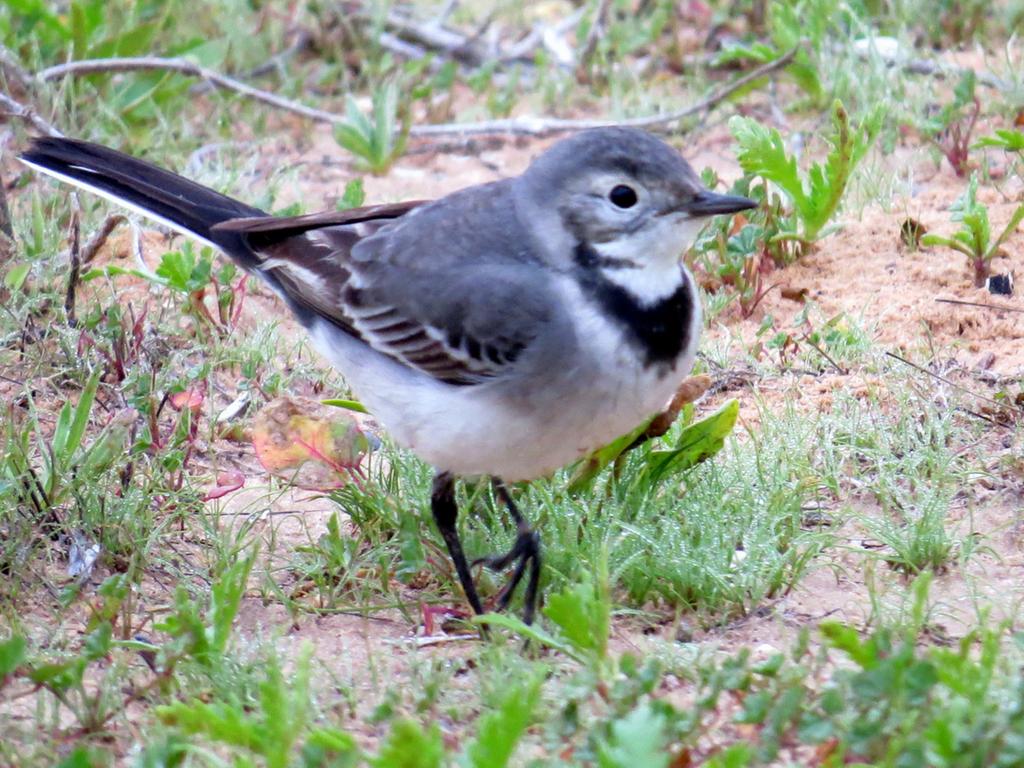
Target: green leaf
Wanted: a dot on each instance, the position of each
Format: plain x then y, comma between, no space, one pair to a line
223,722
763,153
330,747
71,428
12,656
499,731
582,613
354,195
351,405
529,632
16,276
82,411
61,433
1011,227
176,268
1006,140
80,758
736,756
409,746
638,739
697,442
225,599
589,468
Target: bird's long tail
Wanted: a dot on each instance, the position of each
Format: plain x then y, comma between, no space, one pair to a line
166,197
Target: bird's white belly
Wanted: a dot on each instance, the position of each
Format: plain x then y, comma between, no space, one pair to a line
502,428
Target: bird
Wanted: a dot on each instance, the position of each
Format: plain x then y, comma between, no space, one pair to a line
502,331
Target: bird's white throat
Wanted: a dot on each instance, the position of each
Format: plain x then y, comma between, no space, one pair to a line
648,259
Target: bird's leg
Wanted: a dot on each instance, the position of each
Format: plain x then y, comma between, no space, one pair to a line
524,552
442,505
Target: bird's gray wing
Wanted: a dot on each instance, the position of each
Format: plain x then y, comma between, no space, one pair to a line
442,291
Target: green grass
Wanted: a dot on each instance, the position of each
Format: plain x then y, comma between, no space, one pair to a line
674,629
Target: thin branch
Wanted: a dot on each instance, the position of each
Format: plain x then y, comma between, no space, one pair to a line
954,385
29,115
980,304
522,126
5,214
99,237
531,126
275,63
184,67
13,70
435,36
597,27
76,263
934,69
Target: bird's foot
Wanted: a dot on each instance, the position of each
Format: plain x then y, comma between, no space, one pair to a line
525,555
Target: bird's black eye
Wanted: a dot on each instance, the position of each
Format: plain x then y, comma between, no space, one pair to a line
622,196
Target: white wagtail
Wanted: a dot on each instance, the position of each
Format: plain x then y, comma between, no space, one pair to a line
506,329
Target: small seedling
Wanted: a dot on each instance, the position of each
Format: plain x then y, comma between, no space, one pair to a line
581,619
974,238
376,141
44,479
192,275
353,196
816,196
952,127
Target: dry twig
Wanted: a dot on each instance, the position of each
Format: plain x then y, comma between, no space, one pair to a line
980,304
991,400
941,71
99,237
19,110
13,70
76,263
275,63
596,31
522,126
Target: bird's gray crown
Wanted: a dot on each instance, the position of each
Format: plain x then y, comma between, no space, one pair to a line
628,152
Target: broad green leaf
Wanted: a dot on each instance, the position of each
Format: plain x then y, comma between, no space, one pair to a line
582,613
176,268
61,433
697,442
1011,227
587,469
80,758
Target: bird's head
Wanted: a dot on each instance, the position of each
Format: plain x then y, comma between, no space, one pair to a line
628,199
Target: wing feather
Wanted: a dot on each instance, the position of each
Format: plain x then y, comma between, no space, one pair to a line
463,321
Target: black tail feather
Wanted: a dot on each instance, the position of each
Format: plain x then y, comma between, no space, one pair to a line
166,196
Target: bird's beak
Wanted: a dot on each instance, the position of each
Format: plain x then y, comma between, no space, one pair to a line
708,203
